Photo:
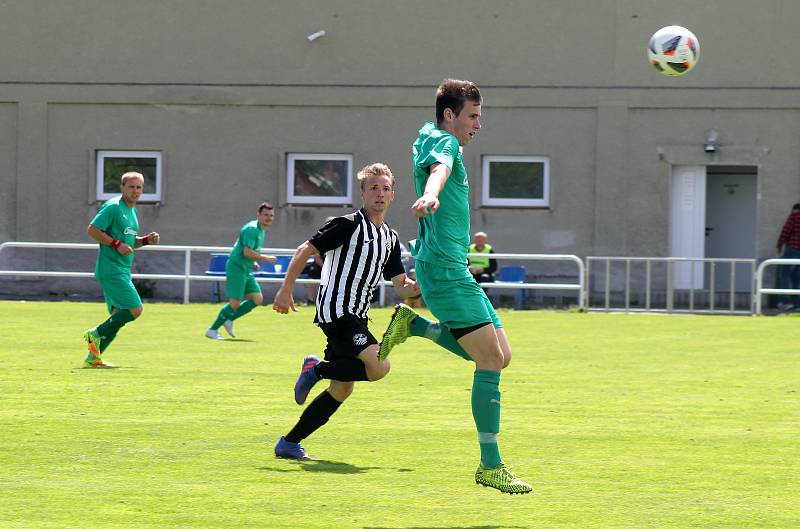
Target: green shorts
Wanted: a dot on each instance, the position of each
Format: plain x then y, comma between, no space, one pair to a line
119,292
239,281
454,297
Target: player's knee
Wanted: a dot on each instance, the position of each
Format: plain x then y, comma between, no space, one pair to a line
506,359
498,361
136,312
340,392
492,360
379,370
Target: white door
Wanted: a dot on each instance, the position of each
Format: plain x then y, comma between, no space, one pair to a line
687,222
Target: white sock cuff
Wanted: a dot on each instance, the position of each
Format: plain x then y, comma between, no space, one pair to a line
487,438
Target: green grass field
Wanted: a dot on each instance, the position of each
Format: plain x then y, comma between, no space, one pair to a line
618,421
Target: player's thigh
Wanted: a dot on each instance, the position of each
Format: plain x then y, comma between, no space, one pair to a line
236,281
502,339
252,290
376,369
483,346
119,292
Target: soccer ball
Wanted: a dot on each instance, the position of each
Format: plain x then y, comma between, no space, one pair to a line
673,50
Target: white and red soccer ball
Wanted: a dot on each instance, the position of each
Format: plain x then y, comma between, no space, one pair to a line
673,50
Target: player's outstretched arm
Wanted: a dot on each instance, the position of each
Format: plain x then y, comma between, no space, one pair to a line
151,238
405,287
256,256
429,201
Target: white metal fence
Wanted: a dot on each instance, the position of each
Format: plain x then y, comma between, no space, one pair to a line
761,291
689,285
585,276
187,277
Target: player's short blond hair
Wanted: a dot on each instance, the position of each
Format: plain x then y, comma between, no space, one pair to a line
130,175
374,169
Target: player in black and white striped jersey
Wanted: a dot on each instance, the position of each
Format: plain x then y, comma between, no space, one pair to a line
359,249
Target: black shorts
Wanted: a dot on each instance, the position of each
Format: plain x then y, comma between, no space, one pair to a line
347,337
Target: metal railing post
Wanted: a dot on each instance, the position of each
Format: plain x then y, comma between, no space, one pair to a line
187,271
670,291
691,285
627,284
711,283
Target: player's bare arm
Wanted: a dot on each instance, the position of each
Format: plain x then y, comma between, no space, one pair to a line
404,286
284,299
105,239
429,201
255,256
151,238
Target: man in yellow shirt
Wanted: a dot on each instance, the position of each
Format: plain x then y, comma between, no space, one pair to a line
481,268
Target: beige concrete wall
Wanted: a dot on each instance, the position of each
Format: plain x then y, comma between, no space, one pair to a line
8,181
509,42
226,89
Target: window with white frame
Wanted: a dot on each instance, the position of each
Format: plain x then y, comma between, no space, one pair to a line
319,178
516,181
111,165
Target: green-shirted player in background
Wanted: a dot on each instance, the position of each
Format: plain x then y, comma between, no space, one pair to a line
243,291
468,324
115,228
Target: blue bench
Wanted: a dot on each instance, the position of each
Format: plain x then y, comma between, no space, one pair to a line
514,274
276,269
216,267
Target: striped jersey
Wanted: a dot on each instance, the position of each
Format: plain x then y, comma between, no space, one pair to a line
356,254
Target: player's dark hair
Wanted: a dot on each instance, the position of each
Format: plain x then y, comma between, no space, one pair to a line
796,207
263,206
452,94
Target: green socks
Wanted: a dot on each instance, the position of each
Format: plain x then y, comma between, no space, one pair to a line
225,313
244,307
106,341
228,313
486,412
485,389
113,324
437,333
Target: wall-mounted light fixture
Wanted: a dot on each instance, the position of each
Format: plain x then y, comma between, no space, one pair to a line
317,34
711,142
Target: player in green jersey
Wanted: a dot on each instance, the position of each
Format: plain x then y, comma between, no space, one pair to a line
468,324
116,228
244,293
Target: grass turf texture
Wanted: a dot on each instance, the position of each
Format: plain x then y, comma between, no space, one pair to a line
618,421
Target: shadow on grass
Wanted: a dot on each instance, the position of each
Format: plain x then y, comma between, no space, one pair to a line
454,527
330,467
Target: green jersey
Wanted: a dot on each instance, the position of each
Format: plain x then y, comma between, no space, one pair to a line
443,237
119,221
250,236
